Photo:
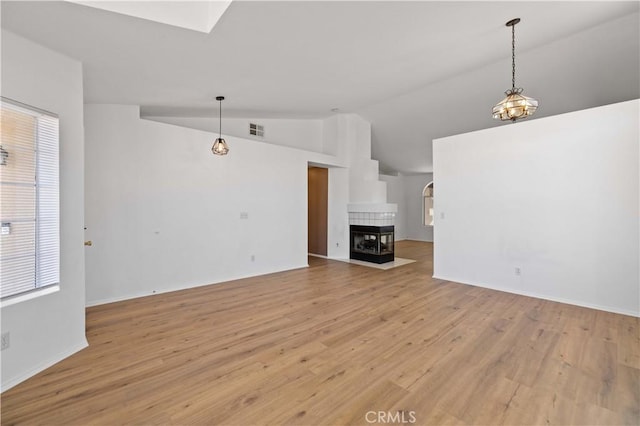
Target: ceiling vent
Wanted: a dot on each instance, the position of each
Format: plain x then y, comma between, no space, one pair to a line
256,130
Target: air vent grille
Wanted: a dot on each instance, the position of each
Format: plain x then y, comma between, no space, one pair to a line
256,130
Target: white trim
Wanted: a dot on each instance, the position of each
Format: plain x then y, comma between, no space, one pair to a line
44,365
28,109
12,300
545,297
318,255
89,304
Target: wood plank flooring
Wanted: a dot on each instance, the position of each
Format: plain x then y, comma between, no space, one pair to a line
326,345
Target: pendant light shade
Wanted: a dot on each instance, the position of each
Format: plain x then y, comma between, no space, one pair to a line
220,147
515,105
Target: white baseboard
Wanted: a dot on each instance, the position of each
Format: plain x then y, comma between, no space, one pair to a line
612,309
6,385
185,287
318,255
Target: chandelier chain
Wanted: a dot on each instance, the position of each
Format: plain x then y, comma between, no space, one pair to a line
513,57
515,106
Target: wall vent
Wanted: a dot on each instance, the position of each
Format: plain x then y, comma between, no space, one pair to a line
256,130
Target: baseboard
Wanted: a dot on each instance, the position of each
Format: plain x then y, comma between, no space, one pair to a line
318,255
611,309
122,298
43,366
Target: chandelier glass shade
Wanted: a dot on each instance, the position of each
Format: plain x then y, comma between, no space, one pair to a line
220,146
516,105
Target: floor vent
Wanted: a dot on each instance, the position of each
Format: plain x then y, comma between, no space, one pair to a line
256,130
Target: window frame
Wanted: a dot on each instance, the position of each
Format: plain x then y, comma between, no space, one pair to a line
47,198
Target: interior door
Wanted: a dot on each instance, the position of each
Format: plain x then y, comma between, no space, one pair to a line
318,188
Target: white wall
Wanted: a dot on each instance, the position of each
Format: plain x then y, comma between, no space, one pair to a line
337,216
413,187
164,213
348,137
396,195
294,133
406,192
556,197
46,329
332,143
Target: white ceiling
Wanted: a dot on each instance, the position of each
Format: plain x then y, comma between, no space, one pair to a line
416,70
199,15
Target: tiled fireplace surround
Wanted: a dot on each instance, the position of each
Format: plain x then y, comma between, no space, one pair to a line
375,221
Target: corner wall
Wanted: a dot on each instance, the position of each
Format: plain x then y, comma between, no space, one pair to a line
46,329
557,198
165,214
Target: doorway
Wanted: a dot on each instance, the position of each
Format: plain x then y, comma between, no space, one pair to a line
317,190
427,205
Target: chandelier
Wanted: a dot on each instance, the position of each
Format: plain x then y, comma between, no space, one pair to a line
515,105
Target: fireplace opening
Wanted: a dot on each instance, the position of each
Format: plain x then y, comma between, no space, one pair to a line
372,243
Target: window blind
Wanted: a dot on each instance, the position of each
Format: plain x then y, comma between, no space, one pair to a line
29,196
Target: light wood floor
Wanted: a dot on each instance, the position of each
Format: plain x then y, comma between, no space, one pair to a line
327,344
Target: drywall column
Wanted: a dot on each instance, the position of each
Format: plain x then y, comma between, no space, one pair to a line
338,219
49,328
364,186
348,137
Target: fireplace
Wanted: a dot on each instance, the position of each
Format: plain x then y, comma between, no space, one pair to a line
372,243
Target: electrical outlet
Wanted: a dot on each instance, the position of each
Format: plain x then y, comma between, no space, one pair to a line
518,271
6,341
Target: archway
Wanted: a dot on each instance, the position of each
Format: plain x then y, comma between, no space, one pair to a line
427,205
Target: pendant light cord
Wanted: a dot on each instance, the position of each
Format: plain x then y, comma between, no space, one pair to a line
220,122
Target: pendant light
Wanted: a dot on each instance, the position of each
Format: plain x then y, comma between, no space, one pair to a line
515,105
220,147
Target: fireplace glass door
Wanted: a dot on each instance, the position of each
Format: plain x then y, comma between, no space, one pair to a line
372,243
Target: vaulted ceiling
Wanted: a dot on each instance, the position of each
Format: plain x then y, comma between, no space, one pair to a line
416,70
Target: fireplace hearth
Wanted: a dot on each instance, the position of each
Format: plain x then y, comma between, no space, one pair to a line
372,243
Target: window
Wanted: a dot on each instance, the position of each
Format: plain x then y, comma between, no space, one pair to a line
29,195
427,205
